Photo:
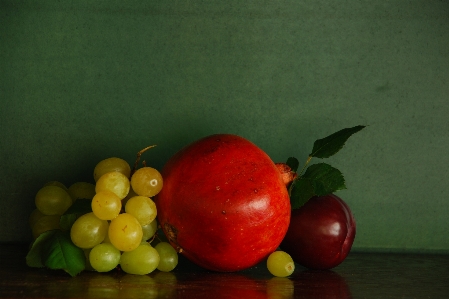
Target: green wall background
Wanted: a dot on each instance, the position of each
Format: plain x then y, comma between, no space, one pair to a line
81,81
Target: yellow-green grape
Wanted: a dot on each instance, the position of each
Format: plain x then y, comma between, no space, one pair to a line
147,181
52,200
141,207
125,232
45,223
149,230
104,257
280,264
115,182
106,205
106,238
88,230
86,254
111,165
168,257
56,183
131,194
34,217
142,260
80,190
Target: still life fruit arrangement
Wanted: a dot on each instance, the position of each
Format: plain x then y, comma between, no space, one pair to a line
220,201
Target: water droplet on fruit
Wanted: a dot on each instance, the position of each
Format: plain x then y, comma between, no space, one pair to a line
223,212
255,190
218,188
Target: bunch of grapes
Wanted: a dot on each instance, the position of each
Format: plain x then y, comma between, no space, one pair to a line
122,223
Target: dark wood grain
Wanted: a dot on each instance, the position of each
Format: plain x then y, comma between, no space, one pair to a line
360,276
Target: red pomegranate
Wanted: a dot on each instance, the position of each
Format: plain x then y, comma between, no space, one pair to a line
224,204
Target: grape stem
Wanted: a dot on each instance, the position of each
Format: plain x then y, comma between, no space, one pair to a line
139,154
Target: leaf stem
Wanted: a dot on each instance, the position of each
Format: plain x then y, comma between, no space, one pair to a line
305,165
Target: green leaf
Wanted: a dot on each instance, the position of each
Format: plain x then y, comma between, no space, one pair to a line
59,252
34,255
325,178
293,163
301,190
330,145
79,207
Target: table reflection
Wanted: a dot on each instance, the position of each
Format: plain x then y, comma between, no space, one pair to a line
320,284
187,284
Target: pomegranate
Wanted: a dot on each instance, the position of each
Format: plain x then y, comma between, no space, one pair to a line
224,204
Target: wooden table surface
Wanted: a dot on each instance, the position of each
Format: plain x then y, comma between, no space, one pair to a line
362,275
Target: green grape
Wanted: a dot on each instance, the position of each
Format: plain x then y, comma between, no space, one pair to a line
111,165
88,231
142,260
34,217
45,223
115,182
168,257
131,194
147,181
52,200
280,264
106,205
104,257
80,190
125,232
149,230
141,207
86,254
56,183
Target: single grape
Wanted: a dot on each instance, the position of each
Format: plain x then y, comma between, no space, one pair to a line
131,194
142,260
125,232
149,230
141,207
280,264
80,190
104,257
111,165
52,200
106,205
147,181
115,182
56,183
168,257
45,223
86,254
88,230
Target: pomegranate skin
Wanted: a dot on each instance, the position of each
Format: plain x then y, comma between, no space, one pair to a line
321,233
224,204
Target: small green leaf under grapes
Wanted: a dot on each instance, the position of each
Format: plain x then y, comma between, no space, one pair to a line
301,190
34,255
325,178
59,252
293,163
330,145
